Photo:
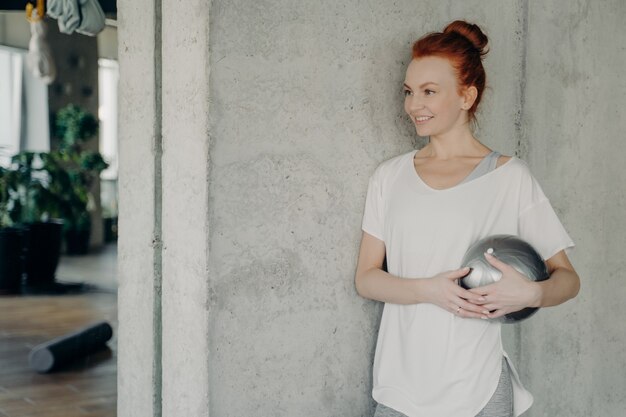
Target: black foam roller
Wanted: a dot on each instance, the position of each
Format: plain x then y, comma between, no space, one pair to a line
55,353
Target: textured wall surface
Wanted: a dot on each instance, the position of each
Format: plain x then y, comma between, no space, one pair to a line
307,100
295,104
14,29
574,356
139,240
185,209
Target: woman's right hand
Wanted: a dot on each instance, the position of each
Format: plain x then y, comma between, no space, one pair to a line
445,292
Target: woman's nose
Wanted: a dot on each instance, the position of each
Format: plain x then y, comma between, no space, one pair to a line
415,102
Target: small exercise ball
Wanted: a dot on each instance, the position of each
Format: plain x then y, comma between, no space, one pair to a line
511,250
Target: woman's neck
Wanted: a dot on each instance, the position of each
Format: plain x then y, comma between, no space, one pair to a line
453,144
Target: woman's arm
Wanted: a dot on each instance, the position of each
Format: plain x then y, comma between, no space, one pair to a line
564,282
375,284
514,291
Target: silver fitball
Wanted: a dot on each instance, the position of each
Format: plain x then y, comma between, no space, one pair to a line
511,250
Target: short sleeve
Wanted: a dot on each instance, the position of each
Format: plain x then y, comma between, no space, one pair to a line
538,223
373,212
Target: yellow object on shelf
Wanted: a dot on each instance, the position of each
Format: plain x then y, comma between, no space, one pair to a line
40,11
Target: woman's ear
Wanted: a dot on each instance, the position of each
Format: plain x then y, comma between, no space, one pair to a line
469,96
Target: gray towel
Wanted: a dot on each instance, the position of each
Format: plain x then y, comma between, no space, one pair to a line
82,16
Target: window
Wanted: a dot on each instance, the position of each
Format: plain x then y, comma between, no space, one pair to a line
23,106
10,103
108,75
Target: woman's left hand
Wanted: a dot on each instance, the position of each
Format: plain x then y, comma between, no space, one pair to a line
512,292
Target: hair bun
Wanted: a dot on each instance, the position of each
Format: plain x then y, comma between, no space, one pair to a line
471,32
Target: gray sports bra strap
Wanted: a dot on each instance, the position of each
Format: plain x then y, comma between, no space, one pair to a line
493,160
487,164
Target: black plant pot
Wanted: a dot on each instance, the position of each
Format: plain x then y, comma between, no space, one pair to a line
77,242
11,267
110,229
42,245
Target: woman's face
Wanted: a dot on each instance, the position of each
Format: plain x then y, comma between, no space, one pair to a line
431,97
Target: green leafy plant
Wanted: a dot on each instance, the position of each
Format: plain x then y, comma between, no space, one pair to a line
56,184
74,126
22,191
5,186
72,170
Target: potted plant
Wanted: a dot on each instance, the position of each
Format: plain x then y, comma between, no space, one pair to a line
72,171
10,239
29,205
44,195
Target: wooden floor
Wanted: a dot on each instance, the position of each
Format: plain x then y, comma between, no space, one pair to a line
87,388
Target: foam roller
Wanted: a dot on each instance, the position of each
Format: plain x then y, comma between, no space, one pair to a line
57,352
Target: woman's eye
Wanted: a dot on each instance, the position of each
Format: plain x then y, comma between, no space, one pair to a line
406,92
429,91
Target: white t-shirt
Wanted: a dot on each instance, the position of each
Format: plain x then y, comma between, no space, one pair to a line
430,362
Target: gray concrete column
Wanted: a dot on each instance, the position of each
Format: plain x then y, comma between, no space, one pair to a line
164,203
574,353
186,228
139,243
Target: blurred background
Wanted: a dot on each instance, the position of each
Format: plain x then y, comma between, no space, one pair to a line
58,208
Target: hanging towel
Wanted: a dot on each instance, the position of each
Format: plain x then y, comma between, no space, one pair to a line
82,16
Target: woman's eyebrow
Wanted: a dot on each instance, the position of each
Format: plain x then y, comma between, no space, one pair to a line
423,85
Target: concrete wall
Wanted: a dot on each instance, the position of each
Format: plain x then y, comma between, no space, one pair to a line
575,94
243,176
107,43
14,29
164,210
307,100
139,239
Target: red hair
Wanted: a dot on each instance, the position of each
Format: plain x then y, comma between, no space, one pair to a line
464,45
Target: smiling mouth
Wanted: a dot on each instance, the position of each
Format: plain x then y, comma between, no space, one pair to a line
422,119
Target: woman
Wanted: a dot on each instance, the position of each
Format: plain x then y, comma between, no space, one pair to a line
437,352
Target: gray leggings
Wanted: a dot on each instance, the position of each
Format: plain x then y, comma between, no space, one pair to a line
500,404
